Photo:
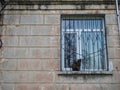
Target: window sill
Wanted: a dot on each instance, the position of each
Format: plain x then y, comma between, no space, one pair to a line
85,73
110,72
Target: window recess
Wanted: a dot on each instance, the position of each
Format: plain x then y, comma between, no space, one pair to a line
83,43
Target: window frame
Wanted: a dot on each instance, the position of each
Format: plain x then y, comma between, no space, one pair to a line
70,31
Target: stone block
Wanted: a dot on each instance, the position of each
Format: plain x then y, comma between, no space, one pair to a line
69,79
52,19
76,87
55,41
113,41
43,77
22,87
1,19
41,30
34,41
11,19
18,30
111,19
94,7
8,12
45,53
1,55
24,64
116,64
98,79
117,53
44,30
9,76
35,87
39,41
116,77
61,7
0,76
56,30
51,64
0,87
112,29
111,53
31,53
8,87
9,64
10,40
28,87
34,76
55,87
1,30
16,53
91,87
95,87
23,76
101,79
49,87
31,19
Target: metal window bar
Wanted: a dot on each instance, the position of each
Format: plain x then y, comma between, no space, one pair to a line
83,39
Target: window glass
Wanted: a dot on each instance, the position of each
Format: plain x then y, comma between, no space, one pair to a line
83,42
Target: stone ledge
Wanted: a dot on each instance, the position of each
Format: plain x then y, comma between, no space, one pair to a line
61,2
60,7
85,72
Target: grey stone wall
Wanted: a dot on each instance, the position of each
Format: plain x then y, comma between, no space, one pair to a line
30,56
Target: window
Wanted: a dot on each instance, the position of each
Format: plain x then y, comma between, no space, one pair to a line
83,43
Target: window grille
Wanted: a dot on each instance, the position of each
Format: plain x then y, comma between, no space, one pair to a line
83,43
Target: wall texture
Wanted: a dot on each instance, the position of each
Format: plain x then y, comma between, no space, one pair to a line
30,56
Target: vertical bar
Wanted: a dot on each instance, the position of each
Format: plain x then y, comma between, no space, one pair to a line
88,43
102,52
74,49
93,45
61,44
78,27
65,45
68,60
98,41
84,35
96,52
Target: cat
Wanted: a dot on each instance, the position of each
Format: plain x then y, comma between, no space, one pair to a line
76,65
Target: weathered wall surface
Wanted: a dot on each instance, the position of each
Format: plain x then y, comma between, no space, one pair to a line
31,50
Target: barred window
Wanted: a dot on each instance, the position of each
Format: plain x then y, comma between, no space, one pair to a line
83,43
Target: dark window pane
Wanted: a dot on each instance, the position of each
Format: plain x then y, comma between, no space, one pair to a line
70,48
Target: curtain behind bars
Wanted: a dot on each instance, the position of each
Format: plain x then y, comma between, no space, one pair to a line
84,38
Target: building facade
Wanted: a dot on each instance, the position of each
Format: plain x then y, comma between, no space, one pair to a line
44,39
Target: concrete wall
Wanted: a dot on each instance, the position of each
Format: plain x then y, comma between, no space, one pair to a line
30,56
